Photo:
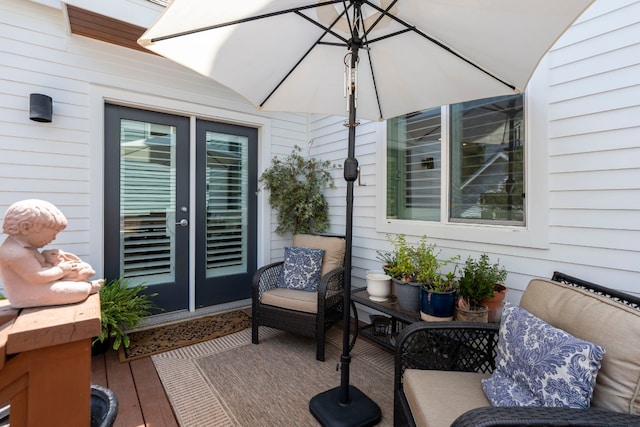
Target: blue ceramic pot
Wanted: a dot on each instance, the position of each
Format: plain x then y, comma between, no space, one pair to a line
437,304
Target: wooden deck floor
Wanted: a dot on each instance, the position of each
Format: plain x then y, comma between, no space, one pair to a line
141,397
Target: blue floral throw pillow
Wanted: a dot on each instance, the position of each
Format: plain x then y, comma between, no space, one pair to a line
301,269
539,365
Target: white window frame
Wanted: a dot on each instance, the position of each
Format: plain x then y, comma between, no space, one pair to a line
532,235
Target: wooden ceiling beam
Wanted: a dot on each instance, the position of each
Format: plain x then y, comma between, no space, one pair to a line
99,27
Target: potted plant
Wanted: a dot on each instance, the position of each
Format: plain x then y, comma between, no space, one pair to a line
378,285
403,265
387,259
478,281
415,269
494,303
438,296
426,263
122,307
295,185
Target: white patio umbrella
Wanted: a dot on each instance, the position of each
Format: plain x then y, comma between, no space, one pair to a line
388,58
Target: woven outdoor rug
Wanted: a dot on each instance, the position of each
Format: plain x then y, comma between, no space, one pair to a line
231,382
169,337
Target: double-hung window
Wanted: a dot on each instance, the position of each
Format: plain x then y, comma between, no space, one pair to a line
462,163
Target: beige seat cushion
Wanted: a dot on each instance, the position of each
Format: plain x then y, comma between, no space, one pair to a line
334,248
597,319
292,299
437,398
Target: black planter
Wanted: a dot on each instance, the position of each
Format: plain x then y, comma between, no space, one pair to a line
100,347
104,406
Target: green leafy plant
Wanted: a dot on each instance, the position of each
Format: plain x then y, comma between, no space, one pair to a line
122,307
295,185
479,279
401,263
416,263
387,259
426,262
444,282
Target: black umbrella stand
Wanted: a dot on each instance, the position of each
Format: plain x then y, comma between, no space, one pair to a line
346,405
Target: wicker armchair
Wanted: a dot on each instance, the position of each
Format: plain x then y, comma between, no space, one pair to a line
304,313
470,347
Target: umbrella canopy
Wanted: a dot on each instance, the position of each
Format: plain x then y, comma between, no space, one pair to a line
288,55
299,55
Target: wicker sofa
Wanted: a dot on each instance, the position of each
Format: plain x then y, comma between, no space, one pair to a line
439,365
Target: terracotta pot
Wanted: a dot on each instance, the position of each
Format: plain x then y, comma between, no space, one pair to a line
477,314
495,304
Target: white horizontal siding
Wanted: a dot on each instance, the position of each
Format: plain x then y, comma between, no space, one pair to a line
593,149
57,161
594,163
593,134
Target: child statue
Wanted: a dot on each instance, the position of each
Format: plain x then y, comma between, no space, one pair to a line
28,277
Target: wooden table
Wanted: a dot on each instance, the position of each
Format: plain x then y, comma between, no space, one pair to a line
45,363
399,317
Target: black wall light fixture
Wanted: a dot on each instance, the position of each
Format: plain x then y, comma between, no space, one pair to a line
40,108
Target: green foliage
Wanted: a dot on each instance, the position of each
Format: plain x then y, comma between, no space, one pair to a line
401,260
122,307
479,278
2,297
295,185
426,263
444,282
417,263
387,259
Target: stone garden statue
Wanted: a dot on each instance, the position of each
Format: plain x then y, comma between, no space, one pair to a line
32,278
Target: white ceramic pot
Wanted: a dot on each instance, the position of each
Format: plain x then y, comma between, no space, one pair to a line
378,286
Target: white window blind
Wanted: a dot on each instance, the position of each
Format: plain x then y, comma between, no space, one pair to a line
227,176
487,160
147,201
485,171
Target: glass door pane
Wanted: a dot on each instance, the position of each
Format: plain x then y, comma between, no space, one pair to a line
147,201
227,209
226,213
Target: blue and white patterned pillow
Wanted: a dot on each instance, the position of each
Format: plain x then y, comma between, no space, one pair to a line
301,269
539,365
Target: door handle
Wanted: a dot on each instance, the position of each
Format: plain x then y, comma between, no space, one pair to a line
182,223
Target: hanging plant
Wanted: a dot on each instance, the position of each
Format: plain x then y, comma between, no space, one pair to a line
295,184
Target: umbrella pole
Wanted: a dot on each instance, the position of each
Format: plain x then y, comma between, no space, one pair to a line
346,405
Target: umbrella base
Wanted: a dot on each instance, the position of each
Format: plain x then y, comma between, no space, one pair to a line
360,412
